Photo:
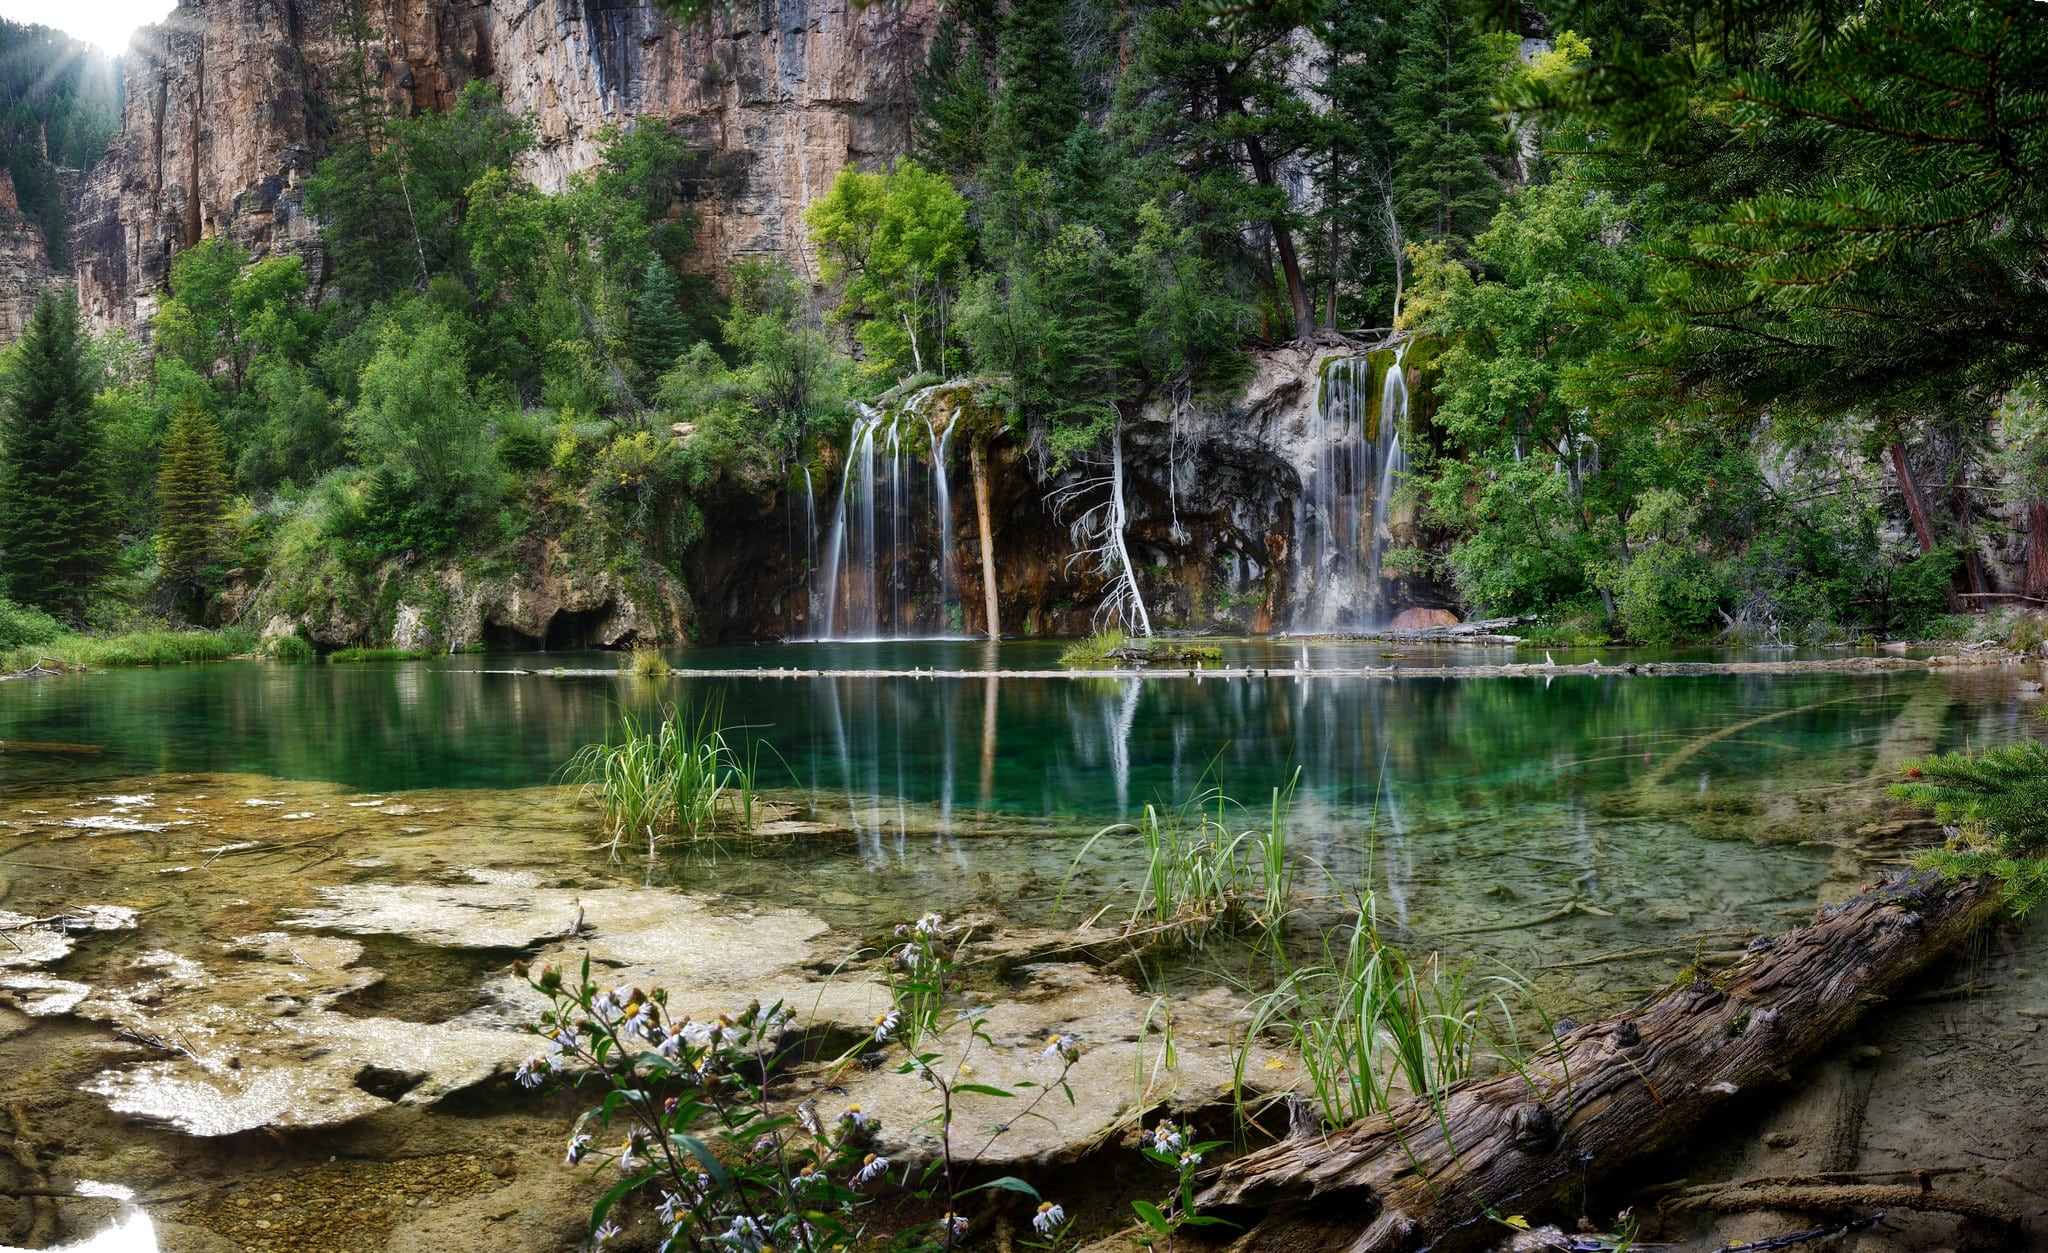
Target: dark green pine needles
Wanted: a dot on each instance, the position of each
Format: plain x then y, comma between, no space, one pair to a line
56,509
1997,803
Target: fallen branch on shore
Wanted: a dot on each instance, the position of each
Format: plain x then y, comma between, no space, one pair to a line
1439,1173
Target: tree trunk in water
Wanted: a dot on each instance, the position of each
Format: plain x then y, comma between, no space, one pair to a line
2037,549
1432,1172
988,539
1283,243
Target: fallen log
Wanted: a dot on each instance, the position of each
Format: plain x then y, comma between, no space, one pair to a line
1439,1174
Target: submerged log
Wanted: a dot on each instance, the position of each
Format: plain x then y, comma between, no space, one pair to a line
1438,1174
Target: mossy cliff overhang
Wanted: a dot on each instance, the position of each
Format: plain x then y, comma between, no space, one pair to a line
226,104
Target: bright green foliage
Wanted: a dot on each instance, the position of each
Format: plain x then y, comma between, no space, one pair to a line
898,242
1446,139
297,434
1997,803
192,492
1535,522
22,625
645,167
223,313
424,437
57,515
789,382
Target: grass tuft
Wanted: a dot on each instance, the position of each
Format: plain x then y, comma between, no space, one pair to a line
1095,650
354,656
680,778
1372,1024
1203,871
137,648
648,663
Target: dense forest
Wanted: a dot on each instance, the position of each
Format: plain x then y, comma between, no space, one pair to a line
60,105
1708,300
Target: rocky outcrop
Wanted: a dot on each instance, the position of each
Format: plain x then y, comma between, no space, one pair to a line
228,101
543,600
25,270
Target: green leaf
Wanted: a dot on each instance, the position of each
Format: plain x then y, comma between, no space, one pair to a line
696,1148
1152,1218
1008,1183
613,1195
983,1089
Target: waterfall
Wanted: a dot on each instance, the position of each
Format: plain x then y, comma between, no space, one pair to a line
1393,464
1343,527
888,515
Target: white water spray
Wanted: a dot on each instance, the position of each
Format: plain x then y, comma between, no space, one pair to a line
887,513
1343,528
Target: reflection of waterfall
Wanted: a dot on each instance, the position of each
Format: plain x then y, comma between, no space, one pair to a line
1125,717
1343,525
875,586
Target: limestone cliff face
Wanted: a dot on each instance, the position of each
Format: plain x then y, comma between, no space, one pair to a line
25,272
228,101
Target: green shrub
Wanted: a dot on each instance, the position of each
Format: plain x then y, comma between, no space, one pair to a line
524,445
290,648
347,656
1095,650
1914,593
24,624
1669,592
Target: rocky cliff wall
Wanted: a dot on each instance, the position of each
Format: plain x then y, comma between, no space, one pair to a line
25,271
227,105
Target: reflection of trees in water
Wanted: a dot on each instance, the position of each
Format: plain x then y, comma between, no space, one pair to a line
903,753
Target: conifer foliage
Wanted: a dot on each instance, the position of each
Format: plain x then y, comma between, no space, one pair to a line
192,492
1997,803
57,515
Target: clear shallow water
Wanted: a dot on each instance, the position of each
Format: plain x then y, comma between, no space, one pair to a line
1468,802
1085,749
1471,805
1590,835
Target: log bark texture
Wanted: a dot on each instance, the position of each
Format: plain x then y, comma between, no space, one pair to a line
1436,1176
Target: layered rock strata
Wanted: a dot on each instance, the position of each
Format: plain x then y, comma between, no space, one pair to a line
25,270
229,106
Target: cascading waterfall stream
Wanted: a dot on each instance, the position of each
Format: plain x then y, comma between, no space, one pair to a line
1393,461
888,514
1345,526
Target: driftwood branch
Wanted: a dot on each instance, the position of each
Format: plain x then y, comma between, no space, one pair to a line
1436,1174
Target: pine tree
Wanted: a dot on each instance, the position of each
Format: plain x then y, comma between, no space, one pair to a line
1880,213
955,106
1040,101
659,330
57,514
1446,138
192,493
